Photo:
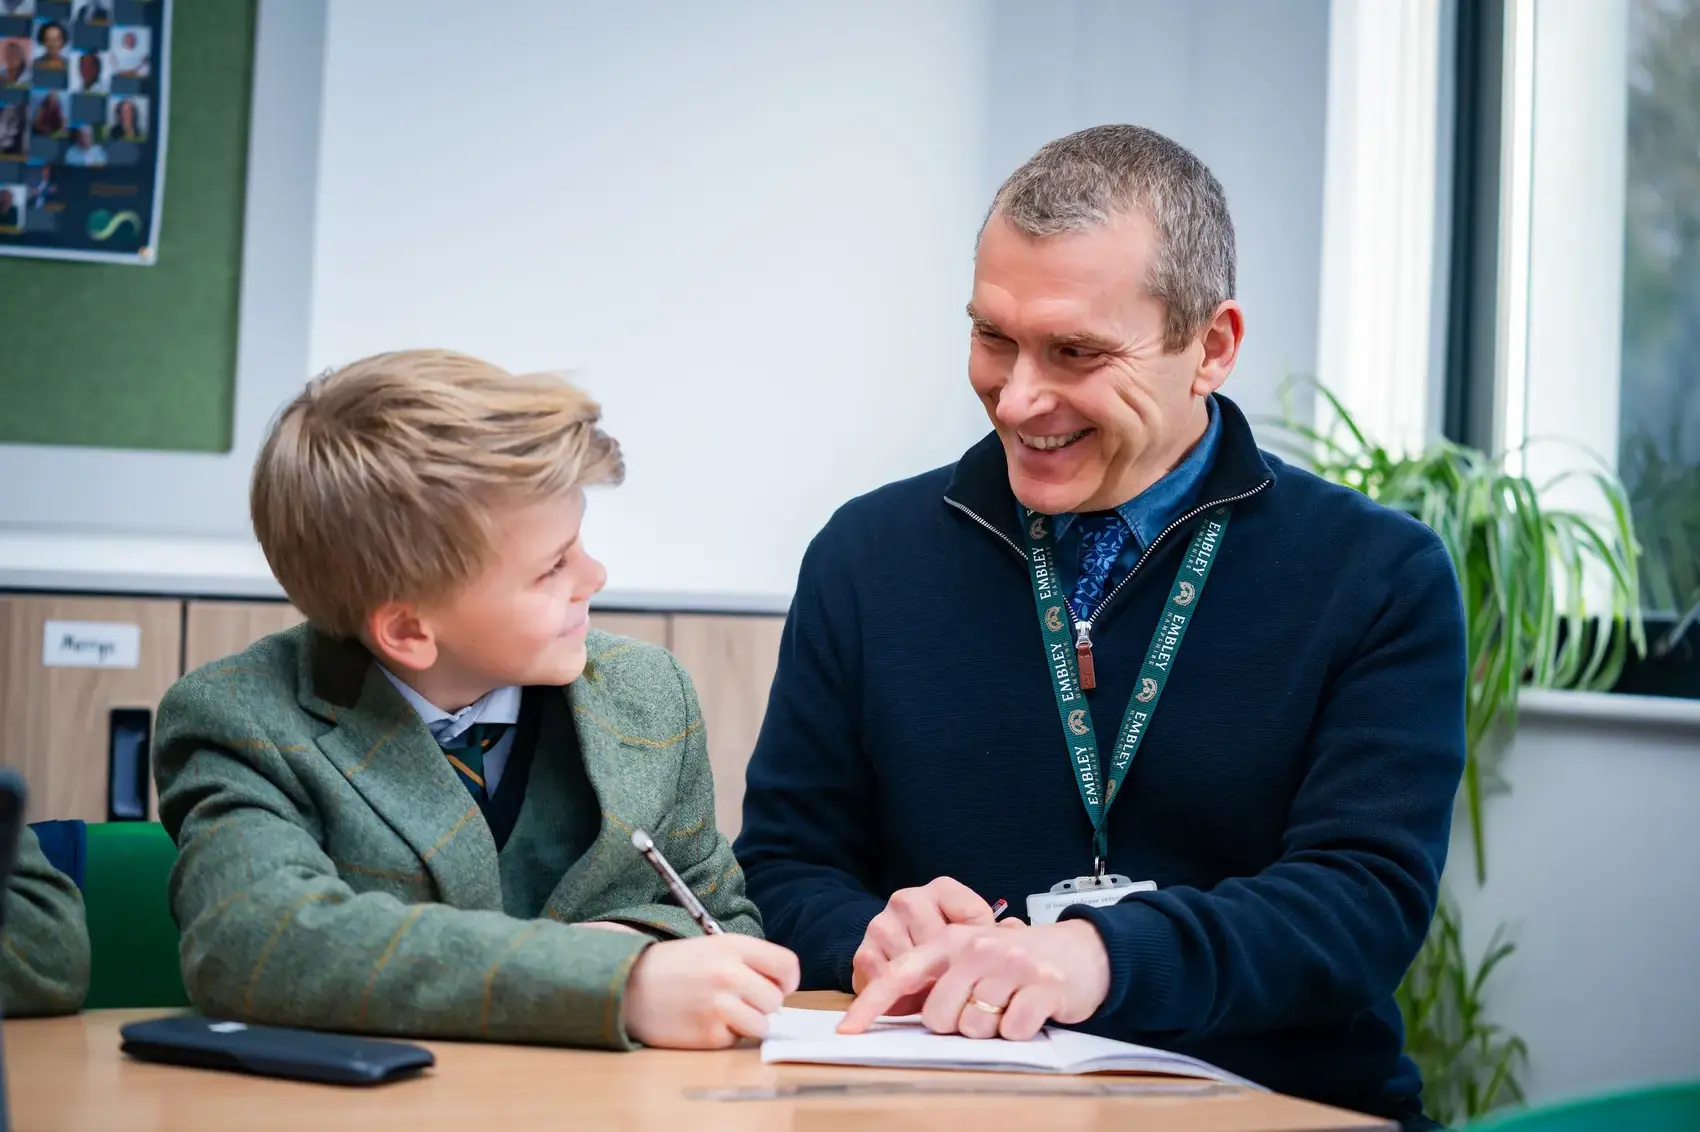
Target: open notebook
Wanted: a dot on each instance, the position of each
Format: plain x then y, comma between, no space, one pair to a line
811,1036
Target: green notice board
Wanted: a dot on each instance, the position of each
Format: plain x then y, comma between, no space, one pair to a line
124,356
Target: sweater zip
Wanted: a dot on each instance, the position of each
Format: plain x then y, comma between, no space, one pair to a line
1006,539
1083,626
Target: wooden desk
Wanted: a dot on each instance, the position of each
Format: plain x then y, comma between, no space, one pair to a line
66,1075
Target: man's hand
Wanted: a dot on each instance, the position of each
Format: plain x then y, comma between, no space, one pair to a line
706,992
985,982
912,917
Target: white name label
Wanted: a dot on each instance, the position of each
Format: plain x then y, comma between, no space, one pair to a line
1045,907
91,644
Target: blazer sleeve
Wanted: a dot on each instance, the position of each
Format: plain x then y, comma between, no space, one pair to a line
44,952
272,934
694,845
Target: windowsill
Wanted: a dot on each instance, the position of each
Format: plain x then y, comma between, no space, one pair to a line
1611,707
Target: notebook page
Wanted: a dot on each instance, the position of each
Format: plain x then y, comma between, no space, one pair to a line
811,1036
1088,1053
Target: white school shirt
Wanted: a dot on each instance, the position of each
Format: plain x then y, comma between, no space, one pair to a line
500,706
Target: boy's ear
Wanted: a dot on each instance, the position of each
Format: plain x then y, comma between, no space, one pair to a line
401,637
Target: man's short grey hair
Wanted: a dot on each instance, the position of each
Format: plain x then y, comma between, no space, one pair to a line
1087,178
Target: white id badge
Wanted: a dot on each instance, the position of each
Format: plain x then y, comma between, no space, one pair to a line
1095,892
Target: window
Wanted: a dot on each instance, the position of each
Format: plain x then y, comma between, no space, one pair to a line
1580,122
1659,422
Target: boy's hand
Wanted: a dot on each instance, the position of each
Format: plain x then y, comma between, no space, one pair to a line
707,992
608,926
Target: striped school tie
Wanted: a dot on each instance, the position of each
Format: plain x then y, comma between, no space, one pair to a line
466,754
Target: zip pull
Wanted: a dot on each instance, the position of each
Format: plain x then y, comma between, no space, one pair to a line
1083,655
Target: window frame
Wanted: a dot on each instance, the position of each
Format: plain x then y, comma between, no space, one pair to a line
1520,365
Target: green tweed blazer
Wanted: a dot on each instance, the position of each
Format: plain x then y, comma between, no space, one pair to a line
44,951
334,873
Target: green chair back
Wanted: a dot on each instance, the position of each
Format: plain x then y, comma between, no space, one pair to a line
132,937
1655,1108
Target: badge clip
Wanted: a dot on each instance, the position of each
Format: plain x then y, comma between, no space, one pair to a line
1095,883
1094,891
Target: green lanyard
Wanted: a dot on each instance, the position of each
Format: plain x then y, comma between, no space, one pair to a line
1055,624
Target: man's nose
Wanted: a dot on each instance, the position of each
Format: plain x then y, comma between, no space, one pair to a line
1026,395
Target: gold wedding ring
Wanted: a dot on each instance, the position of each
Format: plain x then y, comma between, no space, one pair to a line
986,1006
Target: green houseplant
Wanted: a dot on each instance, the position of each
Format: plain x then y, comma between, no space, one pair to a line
1551,599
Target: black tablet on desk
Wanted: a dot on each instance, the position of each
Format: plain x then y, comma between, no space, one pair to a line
273,1051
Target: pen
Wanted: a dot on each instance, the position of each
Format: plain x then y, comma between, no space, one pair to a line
999,909
680,890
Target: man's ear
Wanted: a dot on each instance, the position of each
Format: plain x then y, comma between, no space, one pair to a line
401,636
1221,340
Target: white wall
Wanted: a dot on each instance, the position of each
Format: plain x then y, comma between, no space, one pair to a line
1242,83
1593,861
747,226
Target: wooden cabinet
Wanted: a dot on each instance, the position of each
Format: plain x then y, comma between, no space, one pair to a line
55,722
731,661
650,627
217,629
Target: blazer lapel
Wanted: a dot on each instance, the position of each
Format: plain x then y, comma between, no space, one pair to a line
382,747
626,792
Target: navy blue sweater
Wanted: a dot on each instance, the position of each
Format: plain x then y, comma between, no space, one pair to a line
1293,797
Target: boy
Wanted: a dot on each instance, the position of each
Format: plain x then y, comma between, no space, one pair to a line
44,948
412,815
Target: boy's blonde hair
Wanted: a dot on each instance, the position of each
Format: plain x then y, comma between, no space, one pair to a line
376,482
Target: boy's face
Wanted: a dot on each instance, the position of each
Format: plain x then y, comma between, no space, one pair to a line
521,621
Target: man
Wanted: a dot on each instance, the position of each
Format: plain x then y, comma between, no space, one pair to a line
1117,654
41,187
85,151
91,73
130,53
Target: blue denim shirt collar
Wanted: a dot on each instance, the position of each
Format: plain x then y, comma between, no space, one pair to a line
1153,509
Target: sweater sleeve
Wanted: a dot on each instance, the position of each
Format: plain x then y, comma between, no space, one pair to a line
44,952
1330,928
806,846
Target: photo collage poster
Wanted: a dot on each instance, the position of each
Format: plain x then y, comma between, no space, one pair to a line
82,127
